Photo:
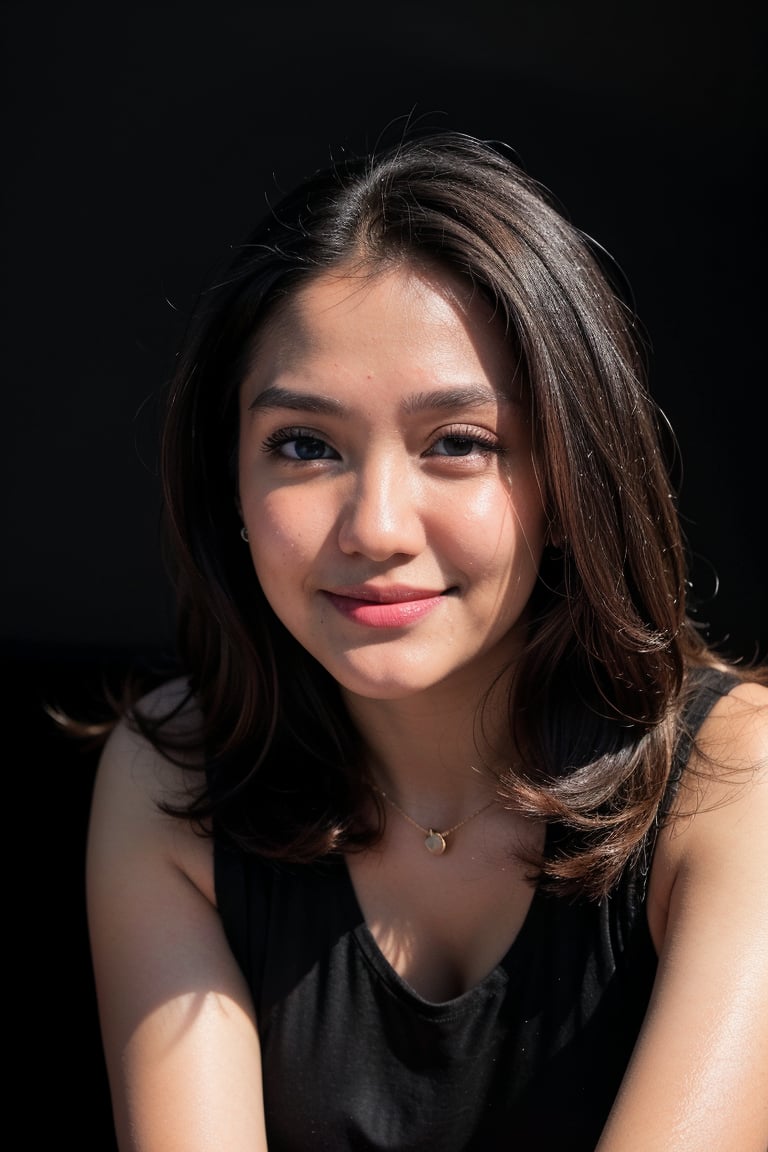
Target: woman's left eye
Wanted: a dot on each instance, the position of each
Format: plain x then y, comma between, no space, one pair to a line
463,444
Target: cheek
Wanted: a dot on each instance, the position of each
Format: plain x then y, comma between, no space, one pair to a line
284,531
500,527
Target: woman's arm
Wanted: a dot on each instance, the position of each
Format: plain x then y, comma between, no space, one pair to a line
177,1021
698,1080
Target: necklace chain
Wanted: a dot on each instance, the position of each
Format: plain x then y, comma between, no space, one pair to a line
434,841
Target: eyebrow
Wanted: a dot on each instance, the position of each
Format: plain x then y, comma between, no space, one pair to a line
276,397
462,396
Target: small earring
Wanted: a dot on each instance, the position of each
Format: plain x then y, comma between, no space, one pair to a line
244,533
556,538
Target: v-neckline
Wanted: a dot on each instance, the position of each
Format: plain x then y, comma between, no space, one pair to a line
498,973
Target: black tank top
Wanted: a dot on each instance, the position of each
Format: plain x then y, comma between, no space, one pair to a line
529,1060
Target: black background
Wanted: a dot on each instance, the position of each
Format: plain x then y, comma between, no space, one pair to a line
139,142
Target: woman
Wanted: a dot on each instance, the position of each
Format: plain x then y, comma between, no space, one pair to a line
450,832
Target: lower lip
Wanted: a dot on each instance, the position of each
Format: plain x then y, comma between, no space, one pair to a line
374,615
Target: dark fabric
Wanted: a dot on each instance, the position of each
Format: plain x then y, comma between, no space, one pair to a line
354,1061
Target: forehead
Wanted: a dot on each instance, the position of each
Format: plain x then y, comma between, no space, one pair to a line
428,320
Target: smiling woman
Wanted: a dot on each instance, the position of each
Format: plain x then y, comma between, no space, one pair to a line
450,834
351,508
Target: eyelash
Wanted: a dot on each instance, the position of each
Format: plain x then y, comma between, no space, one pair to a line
274,443
484,442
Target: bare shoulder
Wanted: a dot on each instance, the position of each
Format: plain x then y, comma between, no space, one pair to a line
176,1015
133,781
697,1077
735,734
728,767
716,835
131,757
729,763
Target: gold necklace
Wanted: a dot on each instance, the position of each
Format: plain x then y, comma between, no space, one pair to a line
434,841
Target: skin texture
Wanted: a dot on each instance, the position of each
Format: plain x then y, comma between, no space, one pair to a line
179,1034
396,493
351,485
701,1062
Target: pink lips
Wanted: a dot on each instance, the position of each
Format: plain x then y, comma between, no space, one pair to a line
385,607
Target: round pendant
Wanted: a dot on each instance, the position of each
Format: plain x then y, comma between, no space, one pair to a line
435,843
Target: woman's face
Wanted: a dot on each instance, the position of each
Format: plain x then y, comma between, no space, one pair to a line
387,482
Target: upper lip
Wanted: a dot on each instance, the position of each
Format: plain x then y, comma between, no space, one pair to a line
389,594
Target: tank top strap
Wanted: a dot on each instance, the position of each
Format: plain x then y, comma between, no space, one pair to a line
706,687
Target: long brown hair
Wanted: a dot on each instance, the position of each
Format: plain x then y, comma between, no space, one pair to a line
601,682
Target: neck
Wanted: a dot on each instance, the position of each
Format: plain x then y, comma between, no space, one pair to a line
438,761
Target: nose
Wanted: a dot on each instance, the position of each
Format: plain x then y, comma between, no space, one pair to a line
382,517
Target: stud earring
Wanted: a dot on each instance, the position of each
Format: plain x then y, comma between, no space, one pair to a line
244,533
556,538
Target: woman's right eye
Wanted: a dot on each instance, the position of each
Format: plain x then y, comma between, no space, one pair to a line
295,444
